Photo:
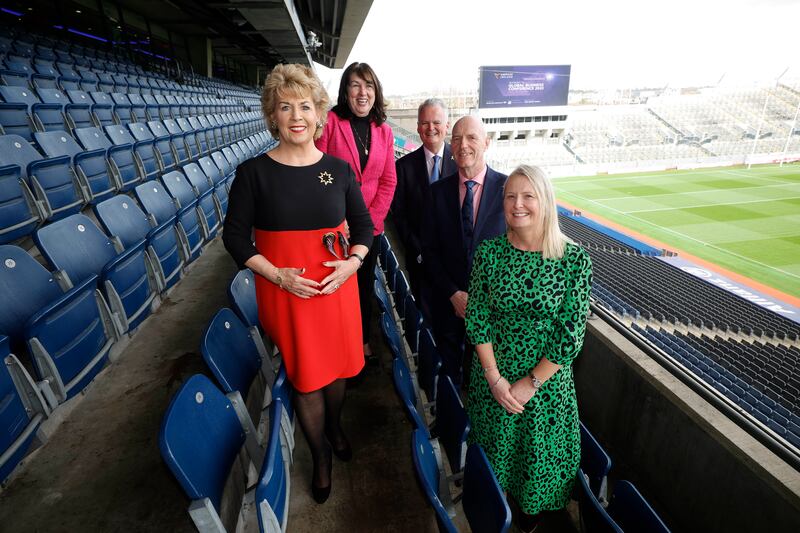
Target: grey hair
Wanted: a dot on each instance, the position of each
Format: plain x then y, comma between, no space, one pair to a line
434,102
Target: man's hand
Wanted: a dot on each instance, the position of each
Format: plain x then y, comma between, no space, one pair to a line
459,301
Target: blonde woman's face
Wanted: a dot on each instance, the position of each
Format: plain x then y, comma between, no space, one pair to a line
296,118
521,203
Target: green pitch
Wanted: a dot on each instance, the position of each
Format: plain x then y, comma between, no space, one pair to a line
747,221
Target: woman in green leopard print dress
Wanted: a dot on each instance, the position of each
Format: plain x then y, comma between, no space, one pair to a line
526,316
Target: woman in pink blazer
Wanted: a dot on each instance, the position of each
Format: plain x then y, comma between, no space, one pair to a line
356,131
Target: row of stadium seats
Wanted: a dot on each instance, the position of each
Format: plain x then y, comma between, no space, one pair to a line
747,353
104,278
68,173
429,393
208,429
772,396
411,343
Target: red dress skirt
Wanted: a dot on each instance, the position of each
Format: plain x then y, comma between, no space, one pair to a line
319,337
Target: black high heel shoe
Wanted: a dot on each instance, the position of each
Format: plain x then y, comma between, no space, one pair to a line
321,494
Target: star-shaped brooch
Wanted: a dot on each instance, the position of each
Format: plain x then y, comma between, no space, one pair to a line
325,178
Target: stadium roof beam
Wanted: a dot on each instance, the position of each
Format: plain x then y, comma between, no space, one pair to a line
336,23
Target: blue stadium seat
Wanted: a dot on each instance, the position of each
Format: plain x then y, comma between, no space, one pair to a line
20,213
385,246
413,322
200,440
16,76
122,218
180,188
631,512
392,268
68,332
78,111
207,199
103,109
163,144
138,108
88,81
200,134
382,296
225,167
231,353
156,201
105,82
128,171
595,463
429,363
15,116
407,391
452,424
52,182
90,167
484,502
98,172
189,139
392,337
431,478
180,149
273,489
283,391
153,109
22,410
75,245
593,516
242,298
123,108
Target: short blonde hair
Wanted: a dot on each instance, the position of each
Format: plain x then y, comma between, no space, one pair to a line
553,241
297,81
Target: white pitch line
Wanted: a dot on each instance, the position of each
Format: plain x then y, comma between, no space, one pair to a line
679,234
710,205
639,196
756,176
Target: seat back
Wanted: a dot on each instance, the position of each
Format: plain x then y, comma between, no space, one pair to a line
391,335
230,352
25,287
631,512
413,321
595,462
18,95
428,476
17,425
402,289
452,423
74,244
593,515
179,188
272,491
484,502
57,143
392,267
119,135
92,138
156,201
121,217
211,169
429,362
242,297
383,297
404,386
197,178
19,215
200,439
140,131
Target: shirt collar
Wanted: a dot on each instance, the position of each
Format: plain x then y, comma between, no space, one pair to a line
429,155
479,178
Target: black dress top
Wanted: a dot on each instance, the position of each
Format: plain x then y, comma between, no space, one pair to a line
270,196
361,134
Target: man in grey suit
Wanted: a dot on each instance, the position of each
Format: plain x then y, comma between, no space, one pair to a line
416,171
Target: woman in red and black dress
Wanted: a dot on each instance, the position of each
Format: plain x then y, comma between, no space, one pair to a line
292,197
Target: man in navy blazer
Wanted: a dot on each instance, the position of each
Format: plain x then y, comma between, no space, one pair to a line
416,171
449,243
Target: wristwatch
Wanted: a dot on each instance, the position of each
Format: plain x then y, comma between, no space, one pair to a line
536,381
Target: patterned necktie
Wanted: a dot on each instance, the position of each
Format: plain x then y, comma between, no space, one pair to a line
435,169
467,222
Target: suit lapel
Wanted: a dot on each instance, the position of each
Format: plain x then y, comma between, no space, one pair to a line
347,134
448,164
421,170
489,199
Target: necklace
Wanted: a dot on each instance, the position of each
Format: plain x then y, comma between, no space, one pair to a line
364,145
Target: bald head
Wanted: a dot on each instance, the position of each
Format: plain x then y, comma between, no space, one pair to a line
469,144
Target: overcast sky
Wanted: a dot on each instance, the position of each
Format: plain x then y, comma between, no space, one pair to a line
425,45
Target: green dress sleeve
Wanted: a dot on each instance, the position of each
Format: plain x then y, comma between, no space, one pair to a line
569,326
479,312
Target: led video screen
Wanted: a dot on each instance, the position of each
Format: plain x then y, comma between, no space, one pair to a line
524,86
